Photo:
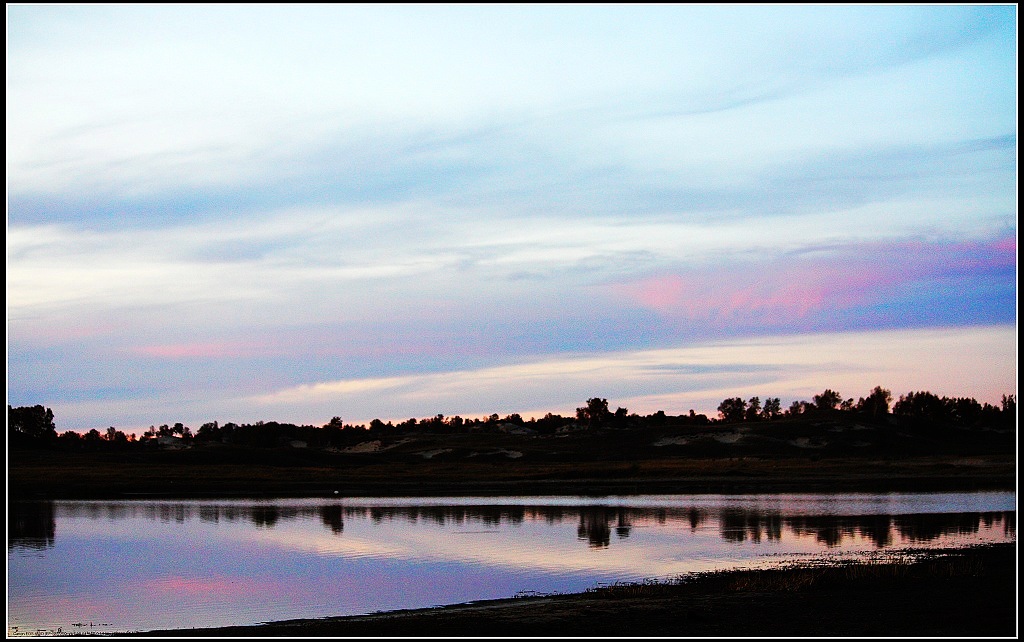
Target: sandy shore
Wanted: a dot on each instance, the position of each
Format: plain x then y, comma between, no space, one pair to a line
963,593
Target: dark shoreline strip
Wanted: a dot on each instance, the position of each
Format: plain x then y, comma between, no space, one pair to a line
552,487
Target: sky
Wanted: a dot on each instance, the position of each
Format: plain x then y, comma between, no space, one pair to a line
292,213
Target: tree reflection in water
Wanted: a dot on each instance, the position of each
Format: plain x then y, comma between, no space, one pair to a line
32,525
830,530
740,525
333,516
922,528
264,516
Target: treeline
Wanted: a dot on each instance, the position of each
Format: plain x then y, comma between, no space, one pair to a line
34,426
913,409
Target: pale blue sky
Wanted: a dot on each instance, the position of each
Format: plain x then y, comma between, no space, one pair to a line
295,212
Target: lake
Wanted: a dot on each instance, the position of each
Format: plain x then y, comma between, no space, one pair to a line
114,566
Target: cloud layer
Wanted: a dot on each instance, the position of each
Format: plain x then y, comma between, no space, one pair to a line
213,206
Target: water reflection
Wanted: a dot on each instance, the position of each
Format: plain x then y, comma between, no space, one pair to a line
831,531
929,527
138,565
32,525
740,525
333,517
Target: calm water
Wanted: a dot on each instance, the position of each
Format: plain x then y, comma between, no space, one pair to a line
108,566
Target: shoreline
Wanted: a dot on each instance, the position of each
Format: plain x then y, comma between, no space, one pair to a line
111,478
947,592
544,488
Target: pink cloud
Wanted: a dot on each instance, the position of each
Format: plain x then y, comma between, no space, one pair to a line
1007,247
211,350
732,295
791,289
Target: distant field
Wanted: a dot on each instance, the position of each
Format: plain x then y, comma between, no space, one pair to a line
766,457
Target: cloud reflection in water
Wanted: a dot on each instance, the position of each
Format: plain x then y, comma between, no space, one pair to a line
204,563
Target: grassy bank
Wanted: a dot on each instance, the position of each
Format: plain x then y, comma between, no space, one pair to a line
966,592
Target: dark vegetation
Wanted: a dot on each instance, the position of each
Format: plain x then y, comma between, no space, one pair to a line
34,426
920,442
960,592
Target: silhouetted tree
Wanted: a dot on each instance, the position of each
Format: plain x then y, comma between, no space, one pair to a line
827,400
116,438
34,426
658,419
549,423
406,426
917,408
733,409
753,412
93,440
876,404
963,411
181,430
208,432
69,440
595,413
699,420
1008,408
434,424
621,419
772,408
32,422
